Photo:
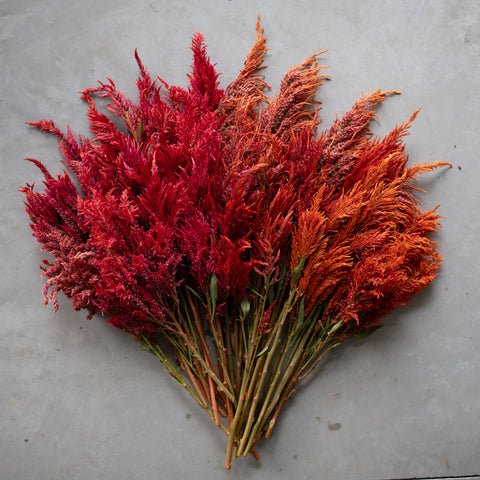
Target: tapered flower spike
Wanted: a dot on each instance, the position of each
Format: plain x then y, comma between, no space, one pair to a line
247,92
228,236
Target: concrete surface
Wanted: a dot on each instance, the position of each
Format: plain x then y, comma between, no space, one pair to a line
79,400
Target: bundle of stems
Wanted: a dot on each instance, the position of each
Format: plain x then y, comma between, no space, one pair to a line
229,236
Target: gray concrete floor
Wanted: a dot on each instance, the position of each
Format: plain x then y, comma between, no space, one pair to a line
402,403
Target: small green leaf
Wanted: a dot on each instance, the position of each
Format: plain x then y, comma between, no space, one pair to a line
256,293
297,271
196,294
140,130
214,292
271,295
262,352
335,328
367,331
245,306
281,279
300,316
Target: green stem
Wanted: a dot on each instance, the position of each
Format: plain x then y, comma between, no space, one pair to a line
250,353
206,360
294,351
271,345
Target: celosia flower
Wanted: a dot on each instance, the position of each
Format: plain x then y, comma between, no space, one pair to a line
223,221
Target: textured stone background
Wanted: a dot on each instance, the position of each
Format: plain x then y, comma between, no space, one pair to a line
402,403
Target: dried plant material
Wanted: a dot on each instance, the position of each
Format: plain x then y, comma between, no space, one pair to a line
230,237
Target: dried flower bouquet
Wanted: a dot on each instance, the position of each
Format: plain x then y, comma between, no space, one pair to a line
228,236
